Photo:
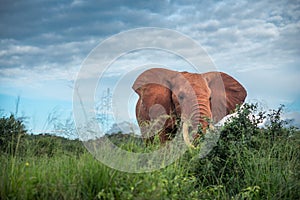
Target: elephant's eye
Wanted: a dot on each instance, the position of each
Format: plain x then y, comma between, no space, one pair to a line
181,96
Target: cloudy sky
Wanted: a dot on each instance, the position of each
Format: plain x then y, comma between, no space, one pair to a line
44,43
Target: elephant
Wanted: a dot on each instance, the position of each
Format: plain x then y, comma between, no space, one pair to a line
170,100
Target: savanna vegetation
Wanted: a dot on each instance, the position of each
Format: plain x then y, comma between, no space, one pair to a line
248,162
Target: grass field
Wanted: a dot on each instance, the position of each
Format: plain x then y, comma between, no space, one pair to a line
247,163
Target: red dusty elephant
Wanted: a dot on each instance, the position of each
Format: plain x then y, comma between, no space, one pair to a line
168,98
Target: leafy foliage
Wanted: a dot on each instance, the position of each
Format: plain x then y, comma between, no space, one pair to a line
249,162
11,129
13,139
244,146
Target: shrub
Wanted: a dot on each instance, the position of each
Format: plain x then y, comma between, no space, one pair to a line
243,146
11,130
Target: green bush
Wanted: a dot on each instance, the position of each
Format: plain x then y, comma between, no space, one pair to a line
11,130
245,153
14,139
50,145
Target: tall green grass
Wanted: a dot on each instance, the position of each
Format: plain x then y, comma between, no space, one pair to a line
247,163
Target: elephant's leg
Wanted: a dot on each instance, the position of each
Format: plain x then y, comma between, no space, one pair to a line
169,130
146,134
163,136
144,122
167,134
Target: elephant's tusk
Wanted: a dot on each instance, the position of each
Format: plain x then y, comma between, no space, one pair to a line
185,130
211,127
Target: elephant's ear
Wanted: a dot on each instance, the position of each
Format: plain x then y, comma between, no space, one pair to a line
158,76
226,93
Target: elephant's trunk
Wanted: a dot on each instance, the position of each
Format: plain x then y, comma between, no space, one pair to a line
199,114
202,114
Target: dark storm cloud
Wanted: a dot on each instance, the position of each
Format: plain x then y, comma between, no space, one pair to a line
24,20
50,34
50,39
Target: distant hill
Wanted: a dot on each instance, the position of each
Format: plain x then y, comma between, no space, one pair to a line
123,127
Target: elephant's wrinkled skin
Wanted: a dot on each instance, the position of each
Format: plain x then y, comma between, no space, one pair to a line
167,97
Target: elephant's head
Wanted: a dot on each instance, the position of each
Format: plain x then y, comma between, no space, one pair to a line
192,98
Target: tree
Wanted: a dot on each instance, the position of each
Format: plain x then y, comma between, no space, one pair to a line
11,129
